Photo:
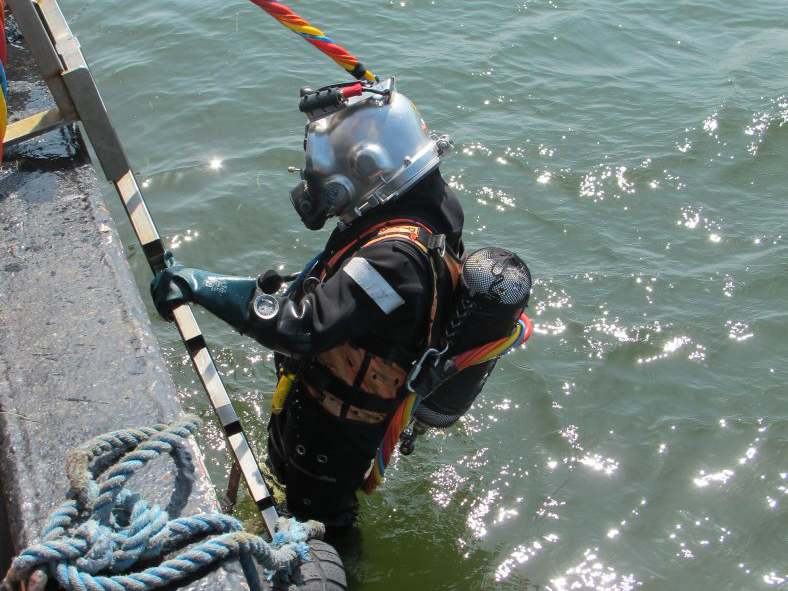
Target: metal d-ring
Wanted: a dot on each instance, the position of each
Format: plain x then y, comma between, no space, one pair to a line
418,366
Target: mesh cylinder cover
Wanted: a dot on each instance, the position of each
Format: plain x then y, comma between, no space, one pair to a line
496,284
499,274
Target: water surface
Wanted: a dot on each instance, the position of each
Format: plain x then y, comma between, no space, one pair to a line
633,152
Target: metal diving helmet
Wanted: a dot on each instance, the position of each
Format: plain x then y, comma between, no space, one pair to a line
365,146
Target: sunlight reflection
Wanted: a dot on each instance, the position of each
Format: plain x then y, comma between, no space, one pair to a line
761,121
521,554
446,481
592,573
738,331
548,508
599,464
178,239
704,479
480,510
504,515
774,579
697,353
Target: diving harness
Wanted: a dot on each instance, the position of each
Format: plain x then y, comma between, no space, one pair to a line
476,317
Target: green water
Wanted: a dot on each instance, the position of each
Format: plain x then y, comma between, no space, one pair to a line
633,152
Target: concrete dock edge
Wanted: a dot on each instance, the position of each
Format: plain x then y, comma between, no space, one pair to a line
77,353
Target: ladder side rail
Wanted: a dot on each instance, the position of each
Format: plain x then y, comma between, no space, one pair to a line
44,54
192,337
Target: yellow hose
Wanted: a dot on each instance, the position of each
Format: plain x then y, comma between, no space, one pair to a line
282,390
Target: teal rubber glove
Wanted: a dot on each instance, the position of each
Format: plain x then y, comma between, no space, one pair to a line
225,296
165,289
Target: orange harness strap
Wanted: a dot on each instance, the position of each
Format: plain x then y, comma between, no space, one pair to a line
329,266
382,380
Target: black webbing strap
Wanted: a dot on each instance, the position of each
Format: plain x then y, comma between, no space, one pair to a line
322,380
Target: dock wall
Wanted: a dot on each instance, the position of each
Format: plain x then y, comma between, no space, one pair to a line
77,353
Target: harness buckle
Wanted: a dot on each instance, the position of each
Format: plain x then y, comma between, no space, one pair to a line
437,242
413,374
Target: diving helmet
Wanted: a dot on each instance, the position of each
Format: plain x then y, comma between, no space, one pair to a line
365,146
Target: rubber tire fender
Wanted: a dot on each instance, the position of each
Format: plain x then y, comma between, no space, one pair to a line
325,572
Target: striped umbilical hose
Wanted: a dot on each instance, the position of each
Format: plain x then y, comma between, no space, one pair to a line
316,37
522,330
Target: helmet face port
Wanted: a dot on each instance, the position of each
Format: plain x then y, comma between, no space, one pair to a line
308,209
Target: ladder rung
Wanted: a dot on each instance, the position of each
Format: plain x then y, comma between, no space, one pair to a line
30,127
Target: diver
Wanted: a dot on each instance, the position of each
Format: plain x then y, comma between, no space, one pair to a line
381,296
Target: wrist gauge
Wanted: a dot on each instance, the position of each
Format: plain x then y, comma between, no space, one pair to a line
266,306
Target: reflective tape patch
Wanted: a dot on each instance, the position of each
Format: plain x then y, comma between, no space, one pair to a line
372,282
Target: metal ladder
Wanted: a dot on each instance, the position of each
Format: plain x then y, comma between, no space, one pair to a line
56,51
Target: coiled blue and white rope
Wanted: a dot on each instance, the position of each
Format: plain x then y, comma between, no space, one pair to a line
93,540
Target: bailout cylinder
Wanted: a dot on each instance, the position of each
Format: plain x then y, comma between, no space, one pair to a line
494,288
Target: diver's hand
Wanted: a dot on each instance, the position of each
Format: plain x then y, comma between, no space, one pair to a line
226,296
171,286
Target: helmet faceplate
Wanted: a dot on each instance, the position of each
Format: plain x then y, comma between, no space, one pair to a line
364,155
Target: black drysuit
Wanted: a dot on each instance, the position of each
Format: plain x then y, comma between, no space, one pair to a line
321,457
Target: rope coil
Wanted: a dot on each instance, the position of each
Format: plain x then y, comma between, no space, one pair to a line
93,539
